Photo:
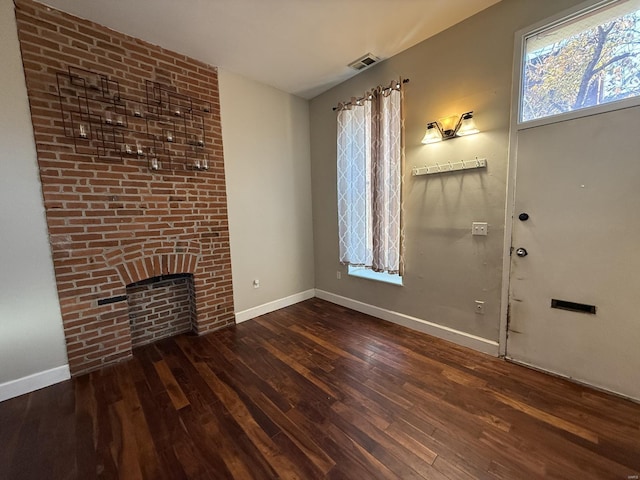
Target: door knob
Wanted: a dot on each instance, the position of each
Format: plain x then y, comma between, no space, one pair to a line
523,217
522,252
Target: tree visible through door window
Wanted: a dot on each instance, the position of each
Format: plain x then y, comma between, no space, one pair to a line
588,60
370,181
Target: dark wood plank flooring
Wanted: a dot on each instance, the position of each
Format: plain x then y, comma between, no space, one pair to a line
317,391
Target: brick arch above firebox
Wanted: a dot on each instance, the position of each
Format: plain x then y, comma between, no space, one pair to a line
153,259
169,264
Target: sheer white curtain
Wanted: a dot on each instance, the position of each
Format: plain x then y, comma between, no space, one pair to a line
370,154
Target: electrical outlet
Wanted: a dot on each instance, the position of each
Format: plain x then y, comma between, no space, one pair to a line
479,307
479,228
256,283
338,274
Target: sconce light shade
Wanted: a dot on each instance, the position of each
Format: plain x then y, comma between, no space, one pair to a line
432,134
450,127
467,125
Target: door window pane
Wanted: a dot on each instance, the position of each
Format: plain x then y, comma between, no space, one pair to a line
588,60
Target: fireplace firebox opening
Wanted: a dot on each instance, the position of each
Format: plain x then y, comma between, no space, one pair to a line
161,307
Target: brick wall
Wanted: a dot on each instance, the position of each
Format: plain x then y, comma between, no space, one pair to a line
112,219
159,308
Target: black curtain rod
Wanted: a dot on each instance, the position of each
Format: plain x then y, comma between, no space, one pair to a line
404,80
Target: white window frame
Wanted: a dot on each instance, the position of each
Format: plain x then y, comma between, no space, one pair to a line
385,277
519,55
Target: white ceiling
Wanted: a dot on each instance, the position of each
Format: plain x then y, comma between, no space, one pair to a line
299,46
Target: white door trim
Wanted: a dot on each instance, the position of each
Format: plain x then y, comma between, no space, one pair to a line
511,193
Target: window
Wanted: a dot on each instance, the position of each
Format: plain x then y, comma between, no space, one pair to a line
370,181
587,60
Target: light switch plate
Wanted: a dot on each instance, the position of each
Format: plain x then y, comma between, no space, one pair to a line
479,228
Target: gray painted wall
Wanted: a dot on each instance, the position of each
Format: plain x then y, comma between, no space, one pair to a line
265,134
467,67
31,335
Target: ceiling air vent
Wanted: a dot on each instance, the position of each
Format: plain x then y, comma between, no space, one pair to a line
364,62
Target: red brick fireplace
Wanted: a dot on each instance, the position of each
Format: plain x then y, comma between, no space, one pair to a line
130,154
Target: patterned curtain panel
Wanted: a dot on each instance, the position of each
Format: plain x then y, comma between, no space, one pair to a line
386,161
370,153
354,192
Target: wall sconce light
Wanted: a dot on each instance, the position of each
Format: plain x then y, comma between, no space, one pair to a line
450,127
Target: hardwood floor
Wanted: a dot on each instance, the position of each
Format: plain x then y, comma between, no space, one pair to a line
317,391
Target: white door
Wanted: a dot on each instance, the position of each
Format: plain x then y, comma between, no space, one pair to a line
579,183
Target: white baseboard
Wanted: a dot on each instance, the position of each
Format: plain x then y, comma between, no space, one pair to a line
254,312
30,383
479,344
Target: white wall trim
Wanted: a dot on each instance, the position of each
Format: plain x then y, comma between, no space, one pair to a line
30,383
461,338
269,307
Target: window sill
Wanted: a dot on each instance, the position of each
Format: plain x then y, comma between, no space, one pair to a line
362,272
